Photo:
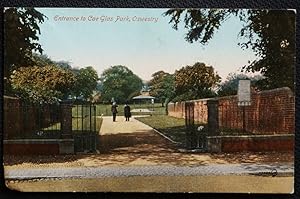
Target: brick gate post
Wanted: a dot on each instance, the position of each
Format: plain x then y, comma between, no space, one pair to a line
213,117
66,120
66,144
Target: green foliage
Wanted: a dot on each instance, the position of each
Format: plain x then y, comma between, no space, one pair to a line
41,60
162,86
20,35
201,23
47,84
133,94
86,78
119,82
275,46
86,82
230,86
269,33
44,60
194,82
63,64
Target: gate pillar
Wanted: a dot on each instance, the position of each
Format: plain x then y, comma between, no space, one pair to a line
190,125
213,117
66,120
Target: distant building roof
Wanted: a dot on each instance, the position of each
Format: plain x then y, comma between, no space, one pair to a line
143,97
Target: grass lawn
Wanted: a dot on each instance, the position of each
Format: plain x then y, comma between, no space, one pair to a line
171,127
175,129
79,123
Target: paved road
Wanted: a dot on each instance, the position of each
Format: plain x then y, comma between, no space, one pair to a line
210,184
100,172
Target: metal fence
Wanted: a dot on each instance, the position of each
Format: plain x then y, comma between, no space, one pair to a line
44,120
29,121
83,118
84,128
50,121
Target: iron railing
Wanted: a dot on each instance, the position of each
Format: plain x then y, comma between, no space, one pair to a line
24,120
84,127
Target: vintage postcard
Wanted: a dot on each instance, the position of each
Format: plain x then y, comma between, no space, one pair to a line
149,100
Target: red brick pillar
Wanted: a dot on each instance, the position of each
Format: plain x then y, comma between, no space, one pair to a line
213,117
66,120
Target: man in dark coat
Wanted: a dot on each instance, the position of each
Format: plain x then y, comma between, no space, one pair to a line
114,111
127,112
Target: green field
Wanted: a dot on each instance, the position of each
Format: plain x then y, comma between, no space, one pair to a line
171,127
175,128
79,123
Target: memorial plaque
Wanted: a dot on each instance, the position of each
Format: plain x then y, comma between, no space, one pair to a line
244,98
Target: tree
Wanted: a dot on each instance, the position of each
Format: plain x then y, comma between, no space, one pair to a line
42,60
86,82
64,64
20,38
197,81
119,82
47,84
230,86
276,47
86,78
95,97
162,86
269,33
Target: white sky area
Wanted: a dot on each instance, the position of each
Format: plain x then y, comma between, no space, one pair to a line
143,46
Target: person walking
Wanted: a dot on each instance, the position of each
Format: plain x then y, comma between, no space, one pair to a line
114,111
127,112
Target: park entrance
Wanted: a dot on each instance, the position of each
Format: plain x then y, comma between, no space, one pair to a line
196,137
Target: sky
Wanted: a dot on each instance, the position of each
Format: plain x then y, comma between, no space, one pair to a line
143,41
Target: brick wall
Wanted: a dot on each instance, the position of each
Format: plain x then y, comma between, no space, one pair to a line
38,146
255,143
271,111
31,149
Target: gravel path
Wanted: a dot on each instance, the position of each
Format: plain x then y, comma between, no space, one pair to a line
131,137
99,172
121,126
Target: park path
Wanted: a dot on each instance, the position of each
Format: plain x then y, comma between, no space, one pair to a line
131,137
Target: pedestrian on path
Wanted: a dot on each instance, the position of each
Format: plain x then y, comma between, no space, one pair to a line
114,110
127,112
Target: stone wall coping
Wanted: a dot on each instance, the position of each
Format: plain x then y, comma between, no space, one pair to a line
277,89
251,136
290,92
36,141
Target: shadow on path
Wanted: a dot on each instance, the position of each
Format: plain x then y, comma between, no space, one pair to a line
133,143
138,142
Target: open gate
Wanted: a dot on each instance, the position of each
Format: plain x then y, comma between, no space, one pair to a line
84,127
196,138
